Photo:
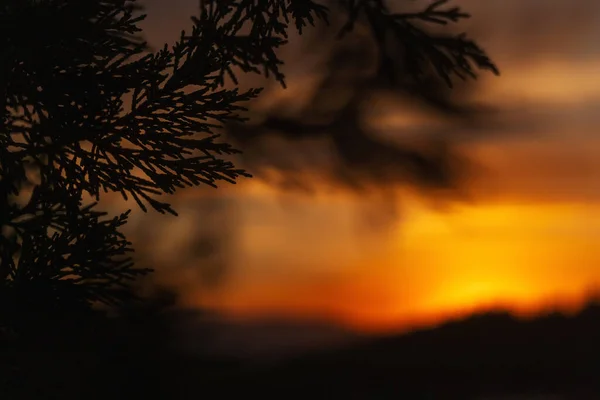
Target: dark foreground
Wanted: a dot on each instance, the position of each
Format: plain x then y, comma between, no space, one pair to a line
483,357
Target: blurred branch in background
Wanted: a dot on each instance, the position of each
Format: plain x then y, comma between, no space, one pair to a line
380,52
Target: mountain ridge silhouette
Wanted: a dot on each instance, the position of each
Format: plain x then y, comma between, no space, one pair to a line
481,355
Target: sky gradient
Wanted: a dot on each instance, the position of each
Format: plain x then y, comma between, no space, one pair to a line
523,236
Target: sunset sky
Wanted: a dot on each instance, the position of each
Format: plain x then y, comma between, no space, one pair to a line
525,236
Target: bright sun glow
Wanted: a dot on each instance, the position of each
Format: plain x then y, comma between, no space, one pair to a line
447,263
520,256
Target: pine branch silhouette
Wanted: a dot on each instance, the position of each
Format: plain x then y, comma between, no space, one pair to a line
90,109
87,108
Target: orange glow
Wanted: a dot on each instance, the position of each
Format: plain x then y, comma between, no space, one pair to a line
527,242
520,257
547,82
524,258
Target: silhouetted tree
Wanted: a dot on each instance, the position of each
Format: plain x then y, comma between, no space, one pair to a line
88,108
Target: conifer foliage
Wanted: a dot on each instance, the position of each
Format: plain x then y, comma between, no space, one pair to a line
88,108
